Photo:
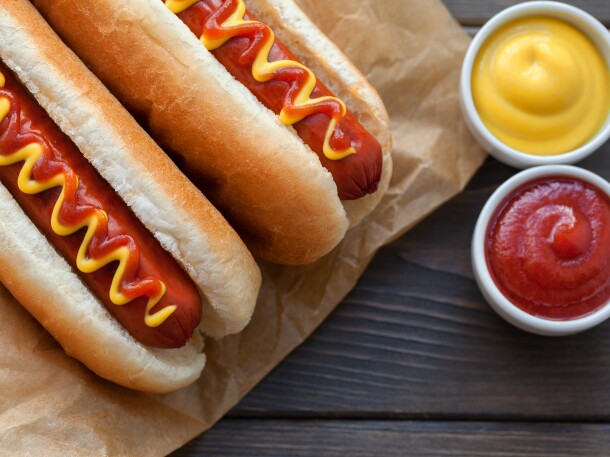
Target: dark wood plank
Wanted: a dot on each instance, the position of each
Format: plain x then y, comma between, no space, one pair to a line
415,339
296,438
476,12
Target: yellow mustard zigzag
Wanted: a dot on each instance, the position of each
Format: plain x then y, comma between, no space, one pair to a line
263,71
28,185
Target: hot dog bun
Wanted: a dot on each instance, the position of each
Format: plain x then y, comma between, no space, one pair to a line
270,185
175,212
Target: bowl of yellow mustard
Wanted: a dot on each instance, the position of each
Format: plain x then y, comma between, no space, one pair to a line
535,84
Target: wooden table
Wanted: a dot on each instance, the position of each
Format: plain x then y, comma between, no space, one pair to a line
414,362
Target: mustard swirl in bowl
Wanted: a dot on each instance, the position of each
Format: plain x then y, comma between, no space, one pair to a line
541,86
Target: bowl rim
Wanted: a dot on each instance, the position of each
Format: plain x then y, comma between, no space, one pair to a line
575,16
487,285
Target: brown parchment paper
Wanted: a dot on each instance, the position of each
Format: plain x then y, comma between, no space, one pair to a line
411,50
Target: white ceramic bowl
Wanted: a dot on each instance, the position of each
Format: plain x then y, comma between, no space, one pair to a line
598,34
486,284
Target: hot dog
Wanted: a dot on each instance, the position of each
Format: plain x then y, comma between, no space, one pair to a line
245,48
219,92
34,152
96,239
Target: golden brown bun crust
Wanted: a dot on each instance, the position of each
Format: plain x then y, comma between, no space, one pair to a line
173,210
269,185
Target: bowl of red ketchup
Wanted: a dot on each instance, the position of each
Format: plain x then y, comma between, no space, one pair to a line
541,250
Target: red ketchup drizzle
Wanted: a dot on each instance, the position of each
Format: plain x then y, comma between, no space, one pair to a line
148,263
548,248
355,175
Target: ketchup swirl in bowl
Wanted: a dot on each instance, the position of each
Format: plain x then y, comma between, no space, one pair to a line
548,248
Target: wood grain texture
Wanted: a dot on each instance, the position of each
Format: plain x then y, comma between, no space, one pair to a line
304,438
476,12
415,339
